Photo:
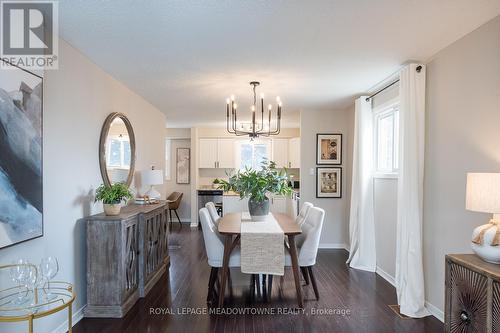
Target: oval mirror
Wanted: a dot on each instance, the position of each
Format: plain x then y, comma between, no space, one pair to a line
117,150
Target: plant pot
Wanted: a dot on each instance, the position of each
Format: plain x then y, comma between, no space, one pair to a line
112,209
258,209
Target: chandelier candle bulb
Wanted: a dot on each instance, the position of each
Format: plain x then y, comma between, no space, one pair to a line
253,130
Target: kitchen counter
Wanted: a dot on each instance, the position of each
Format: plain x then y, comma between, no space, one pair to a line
231,194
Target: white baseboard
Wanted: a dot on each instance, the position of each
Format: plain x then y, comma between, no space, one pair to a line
77,316
333,246
435,311
386,276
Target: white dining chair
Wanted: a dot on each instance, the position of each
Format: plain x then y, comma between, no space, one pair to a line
214,246
303,213
213,212
308,250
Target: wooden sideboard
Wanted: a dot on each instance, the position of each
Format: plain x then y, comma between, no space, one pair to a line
472,300
126,255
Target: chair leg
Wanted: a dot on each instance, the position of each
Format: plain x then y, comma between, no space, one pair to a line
304,274
252,286
230,282
313,281
269,286
264,288
175,211
211,284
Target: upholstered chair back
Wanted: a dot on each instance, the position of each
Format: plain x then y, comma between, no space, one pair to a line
311,228
213,212
303,213
213,240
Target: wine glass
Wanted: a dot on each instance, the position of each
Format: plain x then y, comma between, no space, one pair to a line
18,273
49,268
30,281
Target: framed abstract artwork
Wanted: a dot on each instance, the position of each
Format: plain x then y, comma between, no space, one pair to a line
21,193
329,149
328,182
183,166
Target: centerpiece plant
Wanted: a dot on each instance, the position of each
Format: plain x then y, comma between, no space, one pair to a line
256,185
111,197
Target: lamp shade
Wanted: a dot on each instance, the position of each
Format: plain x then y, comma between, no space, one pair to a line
483,192
152,177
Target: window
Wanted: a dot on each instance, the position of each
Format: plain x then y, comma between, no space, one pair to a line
168,152
386,123
119,152
252,154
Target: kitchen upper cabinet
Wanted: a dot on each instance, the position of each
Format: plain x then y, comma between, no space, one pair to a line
208,153
294,153
225,151
280,152
216,153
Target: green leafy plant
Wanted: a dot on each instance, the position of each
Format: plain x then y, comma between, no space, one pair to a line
113,194
255,184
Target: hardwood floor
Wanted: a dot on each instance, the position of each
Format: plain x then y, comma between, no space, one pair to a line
357,301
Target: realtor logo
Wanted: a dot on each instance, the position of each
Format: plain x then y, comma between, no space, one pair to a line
29,36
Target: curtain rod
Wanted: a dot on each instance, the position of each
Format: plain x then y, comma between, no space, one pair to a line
418,69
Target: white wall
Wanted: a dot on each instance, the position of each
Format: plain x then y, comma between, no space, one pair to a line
463,118
77,99
335,227
385,216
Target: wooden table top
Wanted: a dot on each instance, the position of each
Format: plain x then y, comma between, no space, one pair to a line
230,224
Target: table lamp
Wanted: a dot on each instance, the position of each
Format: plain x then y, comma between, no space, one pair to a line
483,195
150,178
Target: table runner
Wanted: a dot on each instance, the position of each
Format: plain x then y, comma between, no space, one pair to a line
262,249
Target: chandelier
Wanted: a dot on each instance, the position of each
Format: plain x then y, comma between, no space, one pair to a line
255,128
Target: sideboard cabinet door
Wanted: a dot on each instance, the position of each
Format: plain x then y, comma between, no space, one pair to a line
469,300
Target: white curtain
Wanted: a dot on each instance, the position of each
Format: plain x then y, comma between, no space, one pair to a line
409,266
361,221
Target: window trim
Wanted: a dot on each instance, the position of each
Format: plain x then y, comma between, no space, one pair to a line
378,112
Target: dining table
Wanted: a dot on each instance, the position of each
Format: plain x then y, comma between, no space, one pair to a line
230,227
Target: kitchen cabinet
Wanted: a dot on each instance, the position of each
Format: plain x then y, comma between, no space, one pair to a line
225,153
278,204
294,153
280,152
286,153
208,153
216,153
233,204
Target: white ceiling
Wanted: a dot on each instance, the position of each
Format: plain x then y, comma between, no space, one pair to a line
186,57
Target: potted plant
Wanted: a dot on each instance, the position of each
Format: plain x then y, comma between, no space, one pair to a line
255,185
112,196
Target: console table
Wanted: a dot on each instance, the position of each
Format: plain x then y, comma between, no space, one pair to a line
472,301
126,255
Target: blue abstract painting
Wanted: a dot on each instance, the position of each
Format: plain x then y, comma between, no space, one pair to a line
21,193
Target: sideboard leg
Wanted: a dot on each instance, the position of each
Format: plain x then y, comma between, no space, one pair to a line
70,318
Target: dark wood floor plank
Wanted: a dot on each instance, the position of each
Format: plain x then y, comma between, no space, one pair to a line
365,294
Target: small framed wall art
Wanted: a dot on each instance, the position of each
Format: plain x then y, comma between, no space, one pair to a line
329,149
328,182
183,165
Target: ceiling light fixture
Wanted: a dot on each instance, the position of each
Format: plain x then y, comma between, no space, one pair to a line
255,129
